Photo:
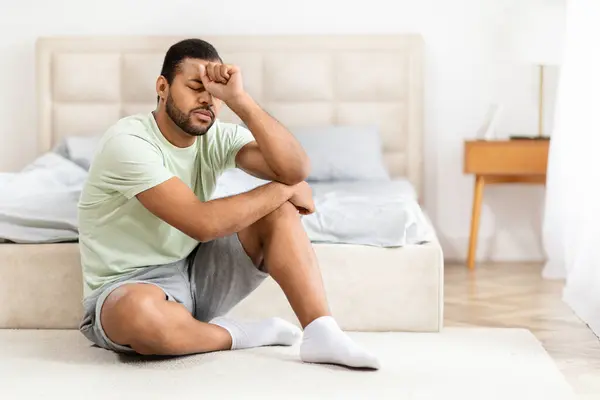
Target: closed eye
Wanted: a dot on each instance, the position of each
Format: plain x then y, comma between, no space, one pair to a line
197,89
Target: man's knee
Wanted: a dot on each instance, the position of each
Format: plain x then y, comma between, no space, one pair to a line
253,237
285,215
131,316
286,211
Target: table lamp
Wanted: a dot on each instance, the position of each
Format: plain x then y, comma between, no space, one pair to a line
536,37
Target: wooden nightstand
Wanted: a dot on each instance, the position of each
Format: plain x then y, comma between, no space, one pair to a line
502,161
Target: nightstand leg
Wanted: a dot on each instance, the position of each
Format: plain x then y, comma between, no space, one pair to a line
477,198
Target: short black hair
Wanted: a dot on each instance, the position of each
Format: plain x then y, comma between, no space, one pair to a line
188,48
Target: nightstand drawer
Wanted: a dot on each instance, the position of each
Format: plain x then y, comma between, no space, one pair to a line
506,157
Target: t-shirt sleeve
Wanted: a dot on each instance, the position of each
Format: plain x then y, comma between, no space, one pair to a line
235,137
131,165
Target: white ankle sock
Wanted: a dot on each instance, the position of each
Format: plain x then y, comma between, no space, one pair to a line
267,332
325,342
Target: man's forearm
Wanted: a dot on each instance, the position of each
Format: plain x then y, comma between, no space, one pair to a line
228,215
280,149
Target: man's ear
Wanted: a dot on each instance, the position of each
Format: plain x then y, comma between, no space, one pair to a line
162,87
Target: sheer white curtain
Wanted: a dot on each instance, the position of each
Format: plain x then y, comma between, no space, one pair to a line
572,212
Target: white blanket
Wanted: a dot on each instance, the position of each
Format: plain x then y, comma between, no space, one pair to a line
375,213
384,214
39,203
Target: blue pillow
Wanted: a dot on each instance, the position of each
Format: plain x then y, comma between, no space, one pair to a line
343,153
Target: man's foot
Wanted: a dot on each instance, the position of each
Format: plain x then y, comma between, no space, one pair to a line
267,332
324,342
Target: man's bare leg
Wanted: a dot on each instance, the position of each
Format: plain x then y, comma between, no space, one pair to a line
279,240
138,315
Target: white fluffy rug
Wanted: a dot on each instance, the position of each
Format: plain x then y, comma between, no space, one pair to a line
459,363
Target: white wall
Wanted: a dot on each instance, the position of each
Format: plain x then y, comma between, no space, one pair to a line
463,75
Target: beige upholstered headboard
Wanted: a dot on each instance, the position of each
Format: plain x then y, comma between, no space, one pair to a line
86,83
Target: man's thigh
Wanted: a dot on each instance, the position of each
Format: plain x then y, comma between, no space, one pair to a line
222,274
109,304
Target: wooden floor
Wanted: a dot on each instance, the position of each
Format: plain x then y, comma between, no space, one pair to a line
515,295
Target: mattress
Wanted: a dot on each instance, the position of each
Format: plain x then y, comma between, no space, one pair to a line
369,288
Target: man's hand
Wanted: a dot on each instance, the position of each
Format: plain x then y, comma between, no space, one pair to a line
303,199
223,81
276,155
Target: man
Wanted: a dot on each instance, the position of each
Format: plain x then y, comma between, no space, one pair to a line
163,263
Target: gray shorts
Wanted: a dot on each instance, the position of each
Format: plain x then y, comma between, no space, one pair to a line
209,283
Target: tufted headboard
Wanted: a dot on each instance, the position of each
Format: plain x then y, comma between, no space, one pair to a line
86,83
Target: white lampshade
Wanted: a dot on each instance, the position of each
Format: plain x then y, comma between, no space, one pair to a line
536,32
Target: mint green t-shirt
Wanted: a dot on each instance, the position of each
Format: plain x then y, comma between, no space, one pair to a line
117,234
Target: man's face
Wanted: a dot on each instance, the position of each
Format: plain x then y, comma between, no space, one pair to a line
188,104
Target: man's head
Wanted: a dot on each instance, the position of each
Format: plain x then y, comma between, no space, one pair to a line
180,89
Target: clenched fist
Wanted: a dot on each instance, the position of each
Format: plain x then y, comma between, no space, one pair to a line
303,199
223,81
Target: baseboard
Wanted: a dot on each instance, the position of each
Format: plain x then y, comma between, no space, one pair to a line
523,246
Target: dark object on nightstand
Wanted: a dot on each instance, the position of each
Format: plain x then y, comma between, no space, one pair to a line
523,137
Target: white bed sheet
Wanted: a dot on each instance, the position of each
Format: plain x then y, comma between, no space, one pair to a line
374,213
382,213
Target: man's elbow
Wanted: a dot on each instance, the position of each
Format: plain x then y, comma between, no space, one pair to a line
205,234
293,176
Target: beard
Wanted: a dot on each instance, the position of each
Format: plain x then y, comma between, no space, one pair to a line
184,121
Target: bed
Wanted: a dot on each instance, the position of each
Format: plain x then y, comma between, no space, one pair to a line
84,84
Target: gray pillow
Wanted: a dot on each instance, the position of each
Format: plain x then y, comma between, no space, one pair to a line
79,149
343,153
